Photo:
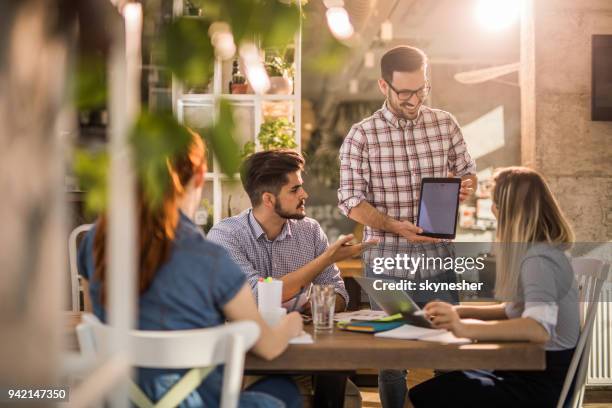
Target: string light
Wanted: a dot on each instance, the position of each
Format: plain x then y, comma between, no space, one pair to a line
386,30
254,68
222,39
339,23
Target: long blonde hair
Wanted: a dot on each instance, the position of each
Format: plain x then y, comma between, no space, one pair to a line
528,213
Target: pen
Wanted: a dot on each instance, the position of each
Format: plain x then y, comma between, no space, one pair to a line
419,313
297,298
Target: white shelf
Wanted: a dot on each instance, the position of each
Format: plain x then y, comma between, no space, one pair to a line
250,116
237,97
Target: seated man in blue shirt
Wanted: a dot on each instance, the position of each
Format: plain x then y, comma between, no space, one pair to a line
274,238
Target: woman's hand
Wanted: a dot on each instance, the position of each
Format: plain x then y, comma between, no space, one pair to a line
294,325
444,316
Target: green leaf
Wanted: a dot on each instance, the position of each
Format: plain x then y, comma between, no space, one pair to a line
277,134
282,21
185,48
90,85
91,170
247,149
271,23
156,137
331,58
221,140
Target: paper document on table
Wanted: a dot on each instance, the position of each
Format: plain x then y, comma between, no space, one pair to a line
303,338
361,315
446,338
291,305
409,332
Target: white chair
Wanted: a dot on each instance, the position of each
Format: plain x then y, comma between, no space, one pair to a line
591,275
74,272
199,349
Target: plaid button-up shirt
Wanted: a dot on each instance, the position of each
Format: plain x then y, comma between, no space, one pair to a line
299,242
383,159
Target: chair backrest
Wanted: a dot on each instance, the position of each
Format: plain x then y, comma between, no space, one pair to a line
591,275
196,348
74,272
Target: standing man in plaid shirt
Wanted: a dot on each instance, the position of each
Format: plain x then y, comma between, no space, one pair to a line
382,161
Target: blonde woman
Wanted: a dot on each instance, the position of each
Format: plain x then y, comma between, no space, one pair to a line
536,282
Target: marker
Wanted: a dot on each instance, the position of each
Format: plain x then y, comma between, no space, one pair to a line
419,313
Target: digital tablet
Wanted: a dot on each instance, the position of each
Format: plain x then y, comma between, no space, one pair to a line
438,207
394,302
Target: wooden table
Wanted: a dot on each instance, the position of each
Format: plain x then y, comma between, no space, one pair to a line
349,351
335,356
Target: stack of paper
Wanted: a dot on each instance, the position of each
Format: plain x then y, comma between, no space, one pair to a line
368,321
408,332
362,315
304,338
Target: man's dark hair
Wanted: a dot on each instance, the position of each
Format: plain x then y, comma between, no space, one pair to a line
266,172
402,58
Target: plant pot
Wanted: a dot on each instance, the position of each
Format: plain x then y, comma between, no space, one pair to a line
280,86
240,88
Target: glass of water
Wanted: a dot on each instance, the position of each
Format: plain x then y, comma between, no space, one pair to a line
323,301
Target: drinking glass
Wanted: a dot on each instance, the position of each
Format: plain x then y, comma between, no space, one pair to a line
323,301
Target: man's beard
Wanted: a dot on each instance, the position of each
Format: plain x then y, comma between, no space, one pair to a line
286,215
398,108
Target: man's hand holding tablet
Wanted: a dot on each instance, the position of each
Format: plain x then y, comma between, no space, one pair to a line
467,189
411,232
439,205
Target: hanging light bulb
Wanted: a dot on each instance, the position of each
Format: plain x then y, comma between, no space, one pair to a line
339,23
368,59
386,30
222,39
496,15
254,68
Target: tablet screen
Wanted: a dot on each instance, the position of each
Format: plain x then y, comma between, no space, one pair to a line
438,207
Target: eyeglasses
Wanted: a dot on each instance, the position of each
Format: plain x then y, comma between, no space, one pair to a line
406,94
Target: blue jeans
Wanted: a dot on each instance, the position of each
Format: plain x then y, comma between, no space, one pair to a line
272,391
503,389
392,387
269,392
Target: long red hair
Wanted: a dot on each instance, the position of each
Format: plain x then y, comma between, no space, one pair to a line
156,225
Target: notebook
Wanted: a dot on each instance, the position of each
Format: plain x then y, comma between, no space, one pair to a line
369,327
409,332
381,324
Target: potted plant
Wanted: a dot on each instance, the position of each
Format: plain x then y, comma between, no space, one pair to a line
277,133
280,71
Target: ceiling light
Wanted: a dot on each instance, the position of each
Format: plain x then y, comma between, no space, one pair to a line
339,23
368,59
386,30
222,39
495,15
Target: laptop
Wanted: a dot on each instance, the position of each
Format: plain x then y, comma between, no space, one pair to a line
394,302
